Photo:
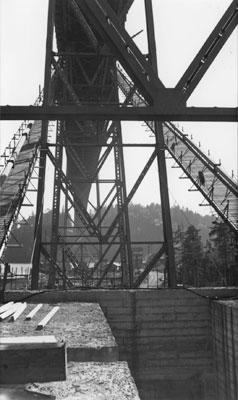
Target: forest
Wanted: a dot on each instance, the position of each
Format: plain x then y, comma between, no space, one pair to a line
205,249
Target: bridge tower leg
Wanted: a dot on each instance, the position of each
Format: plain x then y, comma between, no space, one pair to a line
42,166
159,137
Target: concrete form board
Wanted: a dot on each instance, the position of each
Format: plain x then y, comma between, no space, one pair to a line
225,322
82,325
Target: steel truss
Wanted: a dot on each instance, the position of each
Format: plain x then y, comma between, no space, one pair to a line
95,58
115,239
97,19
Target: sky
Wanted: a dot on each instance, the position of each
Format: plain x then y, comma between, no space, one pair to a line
181,27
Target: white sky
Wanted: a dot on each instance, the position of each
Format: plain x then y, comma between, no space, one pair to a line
181,26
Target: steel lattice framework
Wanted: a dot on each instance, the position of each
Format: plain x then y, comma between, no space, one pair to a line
97,78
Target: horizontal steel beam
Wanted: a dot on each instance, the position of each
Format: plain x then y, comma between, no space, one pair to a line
216,114
97,145
89,242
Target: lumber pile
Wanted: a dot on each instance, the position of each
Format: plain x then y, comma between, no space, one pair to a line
14,310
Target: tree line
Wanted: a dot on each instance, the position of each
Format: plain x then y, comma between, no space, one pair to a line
212,264
205,251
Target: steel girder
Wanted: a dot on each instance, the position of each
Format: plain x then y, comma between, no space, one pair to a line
209,50
43,141
121,113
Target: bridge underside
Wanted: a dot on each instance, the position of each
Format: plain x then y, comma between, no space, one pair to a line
95,79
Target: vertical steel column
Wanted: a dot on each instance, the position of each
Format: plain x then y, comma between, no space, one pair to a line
159,137
44,131
123,220
56,202
99,217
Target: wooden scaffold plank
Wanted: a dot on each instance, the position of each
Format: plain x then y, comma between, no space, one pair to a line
6,306
27,341
47,318
33,312
18,312
10,311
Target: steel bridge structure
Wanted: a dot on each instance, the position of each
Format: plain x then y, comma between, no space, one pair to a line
96,79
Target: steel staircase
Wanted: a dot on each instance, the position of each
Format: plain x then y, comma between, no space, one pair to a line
219,190
17,164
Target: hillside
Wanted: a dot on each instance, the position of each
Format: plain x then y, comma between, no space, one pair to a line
145,224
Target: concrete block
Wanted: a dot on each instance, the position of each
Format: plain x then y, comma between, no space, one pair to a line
23,363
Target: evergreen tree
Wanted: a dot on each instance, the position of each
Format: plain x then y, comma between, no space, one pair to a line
192,258
212,273
224,252
178,251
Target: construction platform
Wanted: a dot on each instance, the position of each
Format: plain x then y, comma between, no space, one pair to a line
82,326
180,344
93,370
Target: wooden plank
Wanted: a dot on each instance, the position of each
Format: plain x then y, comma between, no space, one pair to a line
18,312
47,318
33,312
10,311
33,364
29,340
6,306
9,393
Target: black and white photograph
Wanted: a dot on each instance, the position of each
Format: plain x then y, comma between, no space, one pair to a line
118,200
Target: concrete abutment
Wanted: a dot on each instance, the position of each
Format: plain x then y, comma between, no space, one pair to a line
166,336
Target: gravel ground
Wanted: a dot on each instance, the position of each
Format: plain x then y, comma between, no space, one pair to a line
92,381
85,381
79,324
